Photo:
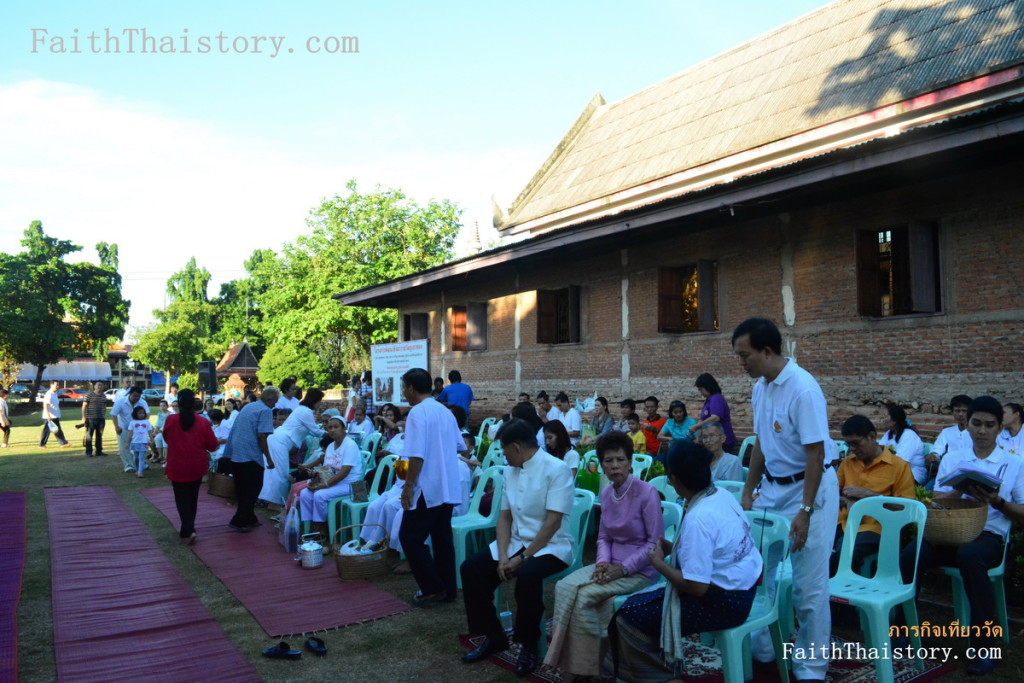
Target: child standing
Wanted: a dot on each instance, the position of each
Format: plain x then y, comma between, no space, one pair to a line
160,455
639,440
141,433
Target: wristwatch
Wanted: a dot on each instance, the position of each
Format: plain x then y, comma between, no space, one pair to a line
807,508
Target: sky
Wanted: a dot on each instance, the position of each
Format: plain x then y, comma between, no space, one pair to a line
264,109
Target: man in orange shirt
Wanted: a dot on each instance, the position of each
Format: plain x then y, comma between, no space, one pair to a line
868,470
651,425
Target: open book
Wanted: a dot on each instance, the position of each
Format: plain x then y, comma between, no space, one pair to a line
964,476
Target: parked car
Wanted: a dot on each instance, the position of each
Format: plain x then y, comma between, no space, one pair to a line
152,396
110,395
20,390
76,395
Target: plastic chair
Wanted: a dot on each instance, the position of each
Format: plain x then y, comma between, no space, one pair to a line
485,425
465,527
771,534
733,487
665,489
343,509
876,596
582,505
641,463
495,457
962,609
746,445
372,442
369,462
672,517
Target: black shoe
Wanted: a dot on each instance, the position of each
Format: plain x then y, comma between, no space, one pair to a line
240,529
526,662
316,646
282,651
490,646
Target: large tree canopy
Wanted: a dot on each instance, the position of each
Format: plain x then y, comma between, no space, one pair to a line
54,309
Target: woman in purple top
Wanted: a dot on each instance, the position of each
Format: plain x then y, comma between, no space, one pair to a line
715,409
631,525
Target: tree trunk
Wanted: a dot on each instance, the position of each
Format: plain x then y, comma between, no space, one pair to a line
39,385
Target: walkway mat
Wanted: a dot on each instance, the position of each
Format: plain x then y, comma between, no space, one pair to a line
120,610
284,599
12,565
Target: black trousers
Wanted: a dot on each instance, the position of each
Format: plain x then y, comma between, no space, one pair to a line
186,498
973,559
433,574
45,435
94,425
479,581
248,483
6,432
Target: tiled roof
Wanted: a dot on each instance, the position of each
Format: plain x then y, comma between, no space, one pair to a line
238,358
849,57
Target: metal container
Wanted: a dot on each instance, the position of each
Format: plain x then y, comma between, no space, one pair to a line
311,553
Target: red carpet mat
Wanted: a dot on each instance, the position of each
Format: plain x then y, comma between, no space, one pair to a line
12,564
284,598
120,610
704,665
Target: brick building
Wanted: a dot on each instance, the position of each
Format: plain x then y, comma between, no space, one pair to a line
854,175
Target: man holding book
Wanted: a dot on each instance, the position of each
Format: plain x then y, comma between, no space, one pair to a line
992,476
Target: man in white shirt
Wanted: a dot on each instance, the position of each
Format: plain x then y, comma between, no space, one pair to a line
51,413
121,416
533,542
431,490
975,559
568,416
954,438
5,419
792,448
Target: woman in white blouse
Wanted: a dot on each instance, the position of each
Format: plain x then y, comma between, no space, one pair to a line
342,456
905,442
291,434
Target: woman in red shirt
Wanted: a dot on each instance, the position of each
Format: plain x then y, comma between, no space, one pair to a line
189,441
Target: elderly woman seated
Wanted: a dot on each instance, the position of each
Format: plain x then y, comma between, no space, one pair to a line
631,526
712,588
724,466
343,458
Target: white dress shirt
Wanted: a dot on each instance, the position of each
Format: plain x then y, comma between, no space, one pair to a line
1009,468
433,436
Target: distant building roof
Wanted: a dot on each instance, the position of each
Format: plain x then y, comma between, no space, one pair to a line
838,62
238,359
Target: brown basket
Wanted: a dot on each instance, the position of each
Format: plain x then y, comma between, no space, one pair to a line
363,566
955,522
221,485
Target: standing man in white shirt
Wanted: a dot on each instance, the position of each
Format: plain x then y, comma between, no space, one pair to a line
568,416
121,416
533,542
431,491
51,413
792,448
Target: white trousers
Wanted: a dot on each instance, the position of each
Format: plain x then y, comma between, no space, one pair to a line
275,481
810,575
387,511
313,504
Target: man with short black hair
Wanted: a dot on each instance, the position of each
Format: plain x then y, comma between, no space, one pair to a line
651,425
248,450
569,416
627,407
792,448
431,491
121,416
51,415
94,412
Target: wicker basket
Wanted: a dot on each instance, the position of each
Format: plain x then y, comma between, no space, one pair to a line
364,565
221,485
956,522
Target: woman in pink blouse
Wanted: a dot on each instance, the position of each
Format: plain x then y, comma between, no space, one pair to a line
631,526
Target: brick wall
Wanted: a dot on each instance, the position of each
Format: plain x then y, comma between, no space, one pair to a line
974,347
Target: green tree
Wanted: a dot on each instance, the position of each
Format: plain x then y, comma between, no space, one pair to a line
238,314
189,283
356,240
284,360
179,340
54,309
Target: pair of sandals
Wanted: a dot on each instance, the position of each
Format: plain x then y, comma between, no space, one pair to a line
284,651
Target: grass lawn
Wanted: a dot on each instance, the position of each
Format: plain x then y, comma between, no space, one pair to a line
419,646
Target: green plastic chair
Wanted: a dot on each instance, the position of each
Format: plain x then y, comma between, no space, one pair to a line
875,597
771,534
486,424
733,487
342,510
495,457
372,442
665,489
962,609
641,463
467,527
746,447
582,505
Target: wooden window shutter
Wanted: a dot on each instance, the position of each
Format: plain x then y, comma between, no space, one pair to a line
670,300
573,315
458,328
417,326
707,313
547,317
476,326
869,293
923,268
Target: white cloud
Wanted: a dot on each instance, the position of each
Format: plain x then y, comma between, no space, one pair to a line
96,168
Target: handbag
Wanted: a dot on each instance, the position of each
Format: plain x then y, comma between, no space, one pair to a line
322,474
